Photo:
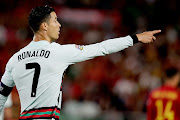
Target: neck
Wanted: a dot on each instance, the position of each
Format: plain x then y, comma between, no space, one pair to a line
39,36
171,83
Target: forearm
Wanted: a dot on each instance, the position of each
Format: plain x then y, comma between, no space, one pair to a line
117,44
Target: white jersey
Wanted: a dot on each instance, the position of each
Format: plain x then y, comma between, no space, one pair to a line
37,72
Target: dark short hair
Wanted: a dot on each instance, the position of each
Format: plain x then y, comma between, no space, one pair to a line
170,72
39,15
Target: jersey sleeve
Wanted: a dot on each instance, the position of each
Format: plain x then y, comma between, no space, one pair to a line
3,99
76,53
6,84
7,76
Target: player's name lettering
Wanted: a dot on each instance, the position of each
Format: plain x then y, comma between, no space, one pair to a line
36,53
165,94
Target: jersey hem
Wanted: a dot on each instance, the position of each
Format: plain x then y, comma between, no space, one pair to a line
41,113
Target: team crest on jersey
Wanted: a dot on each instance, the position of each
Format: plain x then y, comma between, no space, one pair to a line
80,47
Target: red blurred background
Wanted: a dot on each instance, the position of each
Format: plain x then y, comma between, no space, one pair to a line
113,87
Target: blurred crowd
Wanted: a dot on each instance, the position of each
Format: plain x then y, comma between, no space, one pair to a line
109,87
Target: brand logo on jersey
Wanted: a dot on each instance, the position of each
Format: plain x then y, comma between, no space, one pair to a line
80,47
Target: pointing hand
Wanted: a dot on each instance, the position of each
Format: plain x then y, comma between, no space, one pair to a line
147,37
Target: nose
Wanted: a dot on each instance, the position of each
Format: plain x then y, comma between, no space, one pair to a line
59,25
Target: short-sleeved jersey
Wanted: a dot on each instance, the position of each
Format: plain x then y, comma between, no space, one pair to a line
38,68
164,104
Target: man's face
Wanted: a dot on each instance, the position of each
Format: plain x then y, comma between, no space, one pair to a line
53,29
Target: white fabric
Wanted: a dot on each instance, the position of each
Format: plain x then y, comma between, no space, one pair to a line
7,104
51,68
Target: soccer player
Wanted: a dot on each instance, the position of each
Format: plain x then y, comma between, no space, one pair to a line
37,69
164,102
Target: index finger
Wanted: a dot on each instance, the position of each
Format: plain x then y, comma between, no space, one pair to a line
156,31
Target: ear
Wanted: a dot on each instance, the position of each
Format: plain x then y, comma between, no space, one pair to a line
44,26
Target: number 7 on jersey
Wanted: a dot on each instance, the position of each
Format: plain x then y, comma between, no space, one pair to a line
37,68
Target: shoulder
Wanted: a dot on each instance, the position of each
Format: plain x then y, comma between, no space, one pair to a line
14,59
64,47
59,45
18,53
11,62
157,89
54,44
155,92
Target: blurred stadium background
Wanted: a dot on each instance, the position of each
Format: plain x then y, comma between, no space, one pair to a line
114,87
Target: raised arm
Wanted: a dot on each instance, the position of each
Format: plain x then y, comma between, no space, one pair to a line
74,53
